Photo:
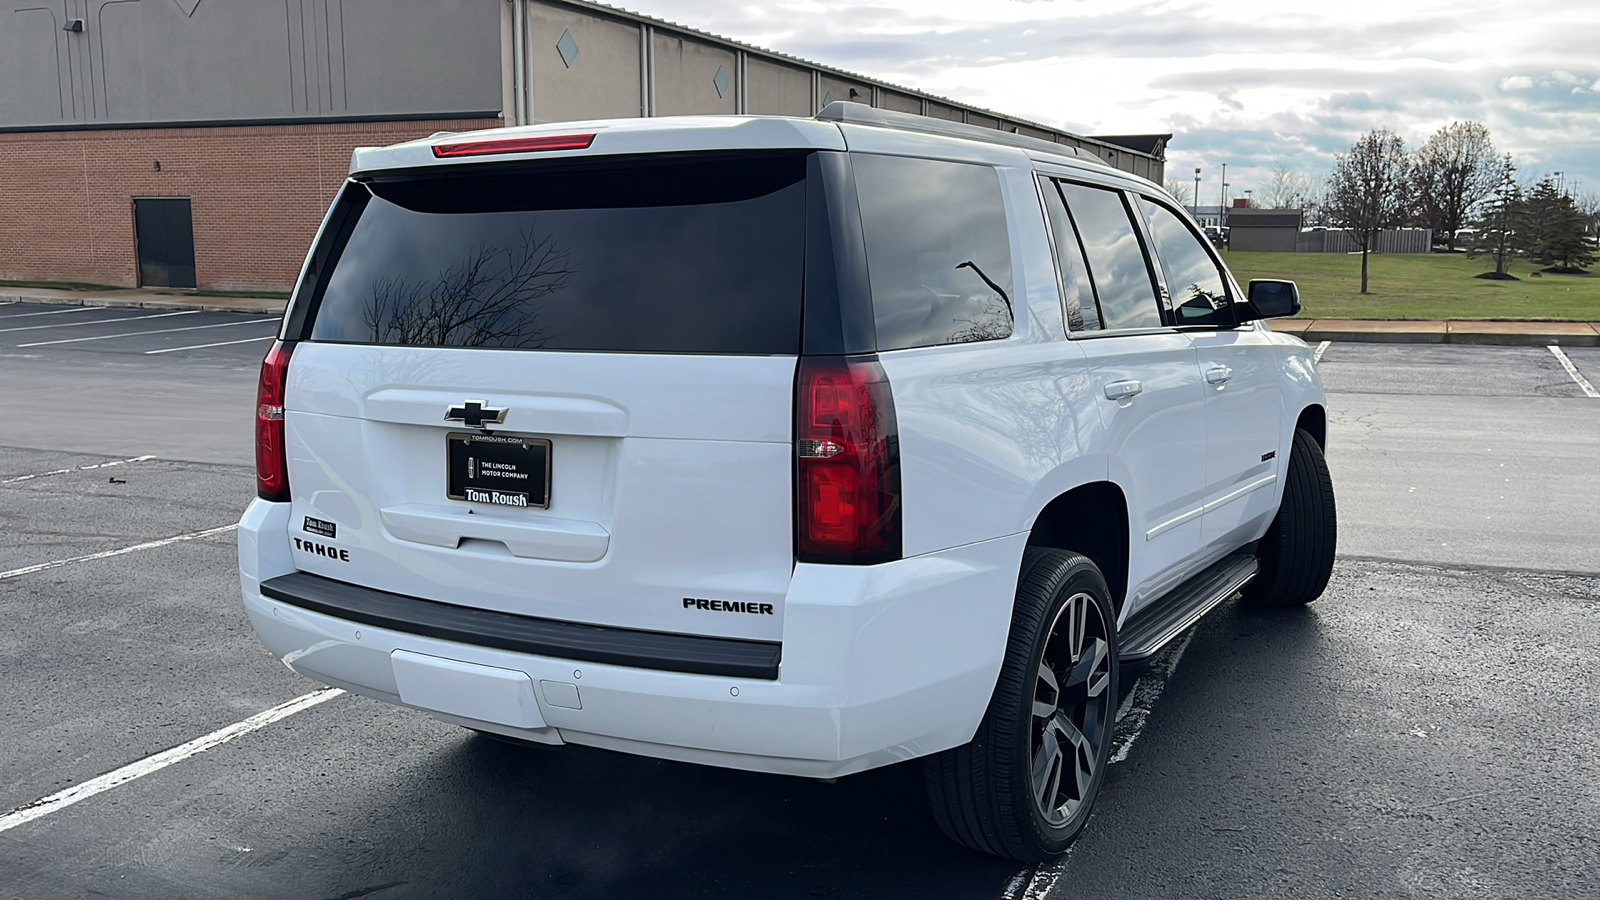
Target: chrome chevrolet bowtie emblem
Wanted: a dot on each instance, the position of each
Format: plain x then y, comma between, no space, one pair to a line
475,414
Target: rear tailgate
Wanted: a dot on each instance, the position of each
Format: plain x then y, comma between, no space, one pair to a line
641,316
669,479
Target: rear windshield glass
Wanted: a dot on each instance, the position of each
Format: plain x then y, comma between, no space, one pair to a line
686,256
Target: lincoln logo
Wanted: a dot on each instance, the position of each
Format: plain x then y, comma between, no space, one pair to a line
475,414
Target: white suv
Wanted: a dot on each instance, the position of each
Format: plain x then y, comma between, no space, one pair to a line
797,446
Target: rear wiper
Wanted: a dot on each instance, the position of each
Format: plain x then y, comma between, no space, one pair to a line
969,264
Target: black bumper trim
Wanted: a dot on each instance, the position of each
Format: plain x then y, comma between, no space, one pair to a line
695,654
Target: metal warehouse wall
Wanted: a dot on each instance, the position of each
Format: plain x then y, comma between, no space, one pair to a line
249,109
138,61
166,62
575,59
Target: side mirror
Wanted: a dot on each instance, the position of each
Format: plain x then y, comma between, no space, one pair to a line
1271,299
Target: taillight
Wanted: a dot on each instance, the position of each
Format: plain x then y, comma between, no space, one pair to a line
272,456
847,475
514,145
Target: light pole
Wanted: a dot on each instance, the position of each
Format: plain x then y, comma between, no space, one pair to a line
1222,200
1197,193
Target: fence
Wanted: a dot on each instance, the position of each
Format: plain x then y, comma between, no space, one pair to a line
1339,240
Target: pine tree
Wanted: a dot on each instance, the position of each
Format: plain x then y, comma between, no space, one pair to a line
1550,230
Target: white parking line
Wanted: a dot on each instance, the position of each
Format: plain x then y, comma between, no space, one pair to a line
1142,699
187,312
147,545
1316,355
38,809
118,462
53,312
1588,389
219,344
107,337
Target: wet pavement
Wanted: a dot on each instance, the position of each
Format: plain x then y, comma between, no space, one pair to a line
1424,730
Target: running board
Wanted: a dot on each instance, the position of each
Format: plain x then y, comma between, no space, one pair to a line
1151,628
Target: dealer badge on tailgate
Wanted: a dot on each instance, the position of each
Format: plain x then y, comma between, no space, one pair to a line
504,470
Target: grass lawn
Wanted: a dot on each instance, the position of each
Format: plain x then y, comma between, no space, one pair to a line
1422,286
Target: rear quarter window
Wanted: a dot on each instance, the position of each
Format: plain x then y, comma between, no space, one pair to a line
676,256
938,252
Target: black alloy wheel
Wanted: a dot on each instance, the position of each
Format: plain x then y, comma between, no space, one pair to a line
1025,784
1071,710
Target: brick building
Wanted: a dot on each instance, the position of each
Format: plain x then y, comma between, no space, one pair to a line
197,143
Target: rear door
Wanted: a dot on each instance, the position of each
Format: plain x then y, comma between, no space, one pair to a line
1146,381
562,392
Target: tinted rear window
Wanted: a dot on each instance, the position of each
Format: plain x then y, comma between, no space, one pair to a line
686,256
1121,277
938,253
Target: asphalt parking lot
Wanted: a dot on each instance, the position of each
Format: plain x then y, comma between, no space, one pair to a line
1424,730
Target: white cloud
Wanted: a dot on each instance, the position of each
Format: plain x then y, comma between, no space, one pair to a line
1238,81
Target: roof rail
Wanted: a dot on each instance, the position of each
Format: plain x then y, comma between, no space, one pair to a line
861,114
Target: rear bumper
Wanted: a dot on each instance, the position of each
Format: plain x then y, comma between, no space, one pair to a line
879,664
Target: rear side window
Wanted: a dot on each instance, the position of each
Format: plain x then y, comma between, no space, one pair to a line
1199,295
674,256
1116,260
1077,291
938,253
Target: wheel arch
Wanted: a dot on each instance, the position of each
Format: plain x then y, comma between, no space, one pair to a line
1091,519
1314,419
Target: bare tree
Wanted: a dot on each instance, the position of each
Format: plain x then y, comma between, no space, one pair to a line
1496,230
491,298
1181,191
1588,203
1287,188
1367,191
1452,175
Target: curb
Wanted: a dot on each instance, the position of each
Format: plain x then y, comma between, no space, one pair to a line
1475,339
1473,333
217,304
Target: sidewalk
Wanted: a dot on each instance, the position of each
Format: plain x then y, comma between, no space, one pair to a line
1516,334
1519,334
141,299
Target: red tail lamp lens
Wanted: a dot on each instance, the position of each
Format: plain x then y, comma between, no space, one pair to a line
847,504
272,455
514,145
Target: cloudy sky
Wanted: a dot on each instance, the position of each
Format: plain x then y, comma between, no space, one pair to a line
1250,83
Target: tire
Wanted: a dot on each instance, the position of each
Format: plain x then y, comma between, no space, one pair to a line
1296,554
983,793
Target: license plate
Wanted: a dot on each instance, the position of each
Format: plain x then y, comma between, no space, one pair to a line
504,470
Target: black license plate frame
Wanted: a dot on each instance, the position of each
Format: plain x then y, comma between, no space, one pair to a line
498,469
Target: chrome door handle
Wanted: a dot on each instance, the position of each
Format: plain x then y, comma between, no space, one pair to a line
1218,374
1122,390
